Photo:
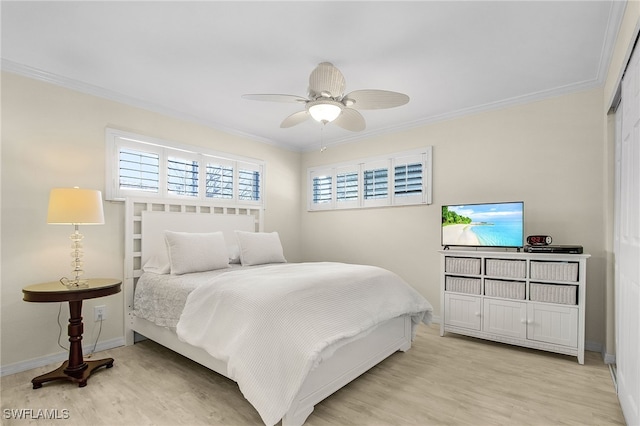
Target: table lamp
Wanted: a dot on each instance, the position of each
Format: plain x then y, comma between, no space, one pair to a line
75,206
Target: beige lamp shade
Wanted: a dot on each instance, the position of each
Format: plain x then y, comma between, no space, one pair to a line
75,206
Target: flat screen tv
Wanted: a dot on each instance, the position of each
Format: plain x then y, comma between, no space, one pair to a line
483,225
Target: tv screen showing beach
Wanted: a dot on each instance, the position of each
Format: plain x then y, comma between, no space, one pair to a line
483,225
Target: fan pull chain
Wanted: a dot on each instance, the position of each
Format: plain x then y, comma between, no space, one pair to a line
322,146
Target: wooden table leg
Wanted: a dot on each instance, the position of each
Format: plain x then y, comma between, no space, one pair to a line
80,379
75,369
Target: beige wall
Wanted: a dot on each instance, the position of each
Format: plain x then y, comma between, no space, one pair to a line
54,137
547,153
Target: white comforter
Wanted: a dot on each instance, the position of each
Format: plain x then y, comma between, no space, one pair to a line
271,324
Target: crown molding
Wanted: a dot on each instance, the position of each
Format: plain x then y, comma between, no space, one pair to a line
97,91
89,89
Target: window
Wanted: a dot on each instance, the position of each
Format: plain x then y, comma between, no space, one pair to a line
248,183
219,183
182,176
143,166
408,179
322,188
398,179
138,170
376,183
346,187
347,193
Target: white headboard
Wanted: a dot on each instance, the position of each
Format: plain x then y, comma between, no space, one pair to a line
146,219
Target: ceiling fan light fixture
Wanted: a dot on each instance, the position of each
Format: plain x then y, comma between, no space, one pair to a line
324,111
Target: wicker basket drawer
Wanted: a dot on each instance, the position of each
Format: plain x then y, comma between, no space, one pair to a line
564,294
462,285
506,268
462,265
554,271
506,289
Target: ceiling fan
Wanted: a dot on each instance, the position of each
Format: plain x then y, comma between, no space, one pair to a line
327,102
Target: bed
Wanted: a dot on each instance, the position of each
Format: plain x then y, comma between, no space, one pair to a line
301,370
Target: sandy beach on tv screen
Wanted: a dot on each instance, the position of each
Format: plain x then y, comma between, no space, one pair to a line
459,235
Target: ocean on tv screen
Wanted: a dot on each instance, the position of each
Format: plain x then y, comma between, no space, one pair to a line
484,225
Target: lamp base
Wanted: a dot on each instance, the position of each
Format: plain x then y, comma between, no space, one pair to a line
76,263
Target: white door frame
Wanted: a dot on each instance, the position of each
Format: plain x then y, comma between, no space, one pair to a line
627,242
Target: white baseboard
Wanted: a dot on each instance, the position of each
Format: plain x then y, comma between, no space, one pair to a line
59,357
600,348
614,376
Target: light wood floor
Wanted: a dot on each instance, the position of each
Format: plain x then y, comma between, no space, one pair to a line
449,380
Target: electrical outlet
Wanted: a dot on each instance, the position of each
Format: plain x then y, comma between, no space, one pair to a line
99,313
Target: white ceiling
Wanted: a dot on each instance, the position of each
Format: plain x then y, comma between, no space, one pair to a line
194,60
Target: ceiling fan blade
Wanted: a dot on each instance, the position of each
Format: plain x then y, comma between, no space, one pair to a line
375,99
275,98
350,119
294,119
326,80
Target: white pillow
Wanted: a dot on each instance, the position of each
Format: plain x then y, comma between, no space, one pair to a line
157,265
196,252
257,248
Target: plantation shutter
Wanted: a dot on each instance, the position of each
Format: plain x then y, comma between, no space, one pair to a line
139,164
347,187
321,190
138,170
249,182
375,183
409,179
182,176
402,178
219,180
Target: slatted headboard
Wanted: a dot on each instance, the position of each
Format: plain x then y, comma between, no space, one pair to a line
145,219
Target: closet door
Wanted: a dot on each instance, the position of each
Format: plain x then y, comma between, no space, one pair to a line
627,245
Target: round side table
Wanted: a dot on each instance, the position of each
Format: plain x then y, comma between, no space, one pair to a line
75,369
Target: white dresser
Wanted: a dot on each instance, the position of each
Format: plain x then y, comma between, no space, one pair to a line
524,299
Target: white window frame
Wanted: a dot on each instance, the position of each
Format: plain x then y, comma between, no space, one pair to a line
118,139
390,161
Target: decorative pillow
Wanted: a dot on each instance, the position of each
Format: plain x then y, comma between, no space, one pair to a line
257,248
157,265
196,252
